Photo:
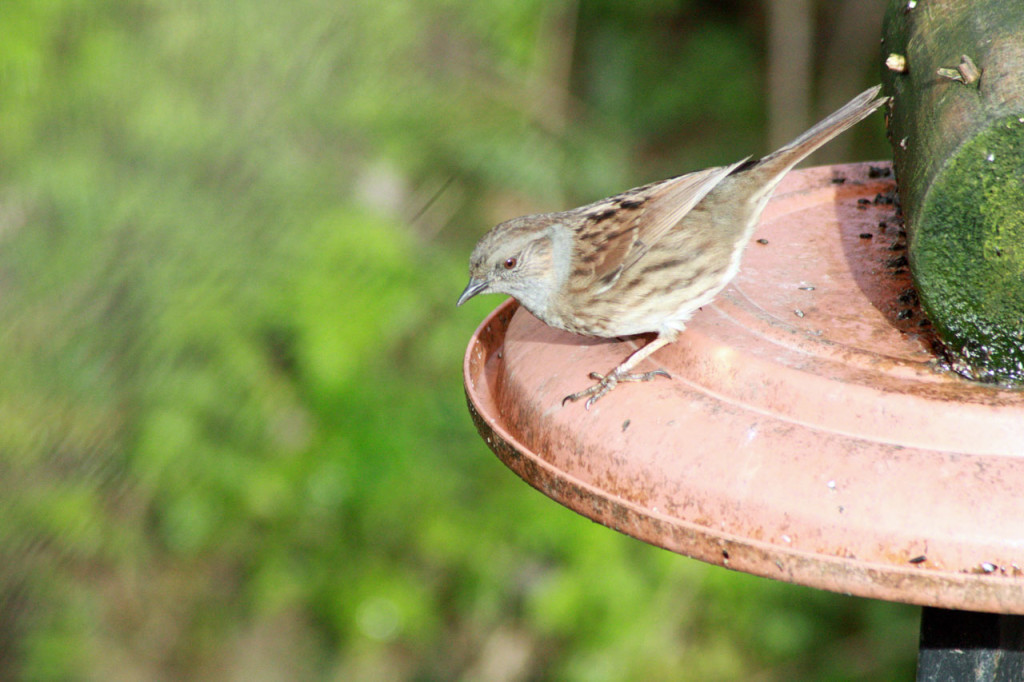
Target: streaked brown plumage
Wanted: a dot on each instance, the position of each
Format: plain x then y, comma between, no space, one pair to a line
644,260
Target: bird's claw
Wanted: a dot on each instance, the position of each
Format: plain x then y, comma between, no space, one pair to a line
603,385
606,382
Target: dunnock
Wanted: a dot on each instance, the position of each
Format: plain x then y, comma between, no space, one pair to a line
644,260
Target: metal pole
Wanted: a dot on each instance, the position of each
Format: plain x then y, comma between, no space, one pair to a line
964,645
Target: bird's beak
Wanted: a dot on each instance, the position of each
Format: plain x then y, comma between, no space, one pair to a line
474,287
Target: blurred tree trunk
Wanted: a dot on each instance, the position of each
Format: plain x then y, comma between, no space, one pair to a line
790,58
817,47
849,44
956,71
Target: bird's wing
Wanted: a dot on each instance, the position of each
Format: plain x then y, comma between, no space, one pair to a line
670,202
617,232
605,234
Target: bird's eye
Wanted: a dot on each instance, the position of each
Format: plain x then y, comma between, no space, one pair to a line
510,263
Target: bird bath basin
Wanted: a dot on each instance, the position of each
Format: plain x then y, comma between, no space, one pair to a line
808,433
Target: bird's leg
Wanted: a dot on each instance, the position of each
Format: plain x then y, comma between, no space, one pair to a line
607,382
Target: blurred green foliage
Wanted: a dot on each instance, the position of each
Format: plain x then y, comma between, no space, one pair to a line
233,441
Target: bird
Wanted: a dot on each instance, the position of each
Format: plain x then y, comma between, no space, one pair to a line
642,261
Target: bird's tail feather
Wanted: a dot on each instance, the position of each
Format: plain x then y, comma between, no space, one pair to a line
851,113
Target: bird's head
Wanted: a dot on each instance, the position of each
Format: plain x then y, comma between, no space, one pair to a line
521,258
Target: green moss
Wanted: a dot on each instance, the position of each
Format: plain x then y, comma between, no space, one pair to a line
968,253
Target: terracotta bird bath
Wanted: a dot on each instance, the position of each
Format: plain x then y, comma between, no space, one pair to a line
808,432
